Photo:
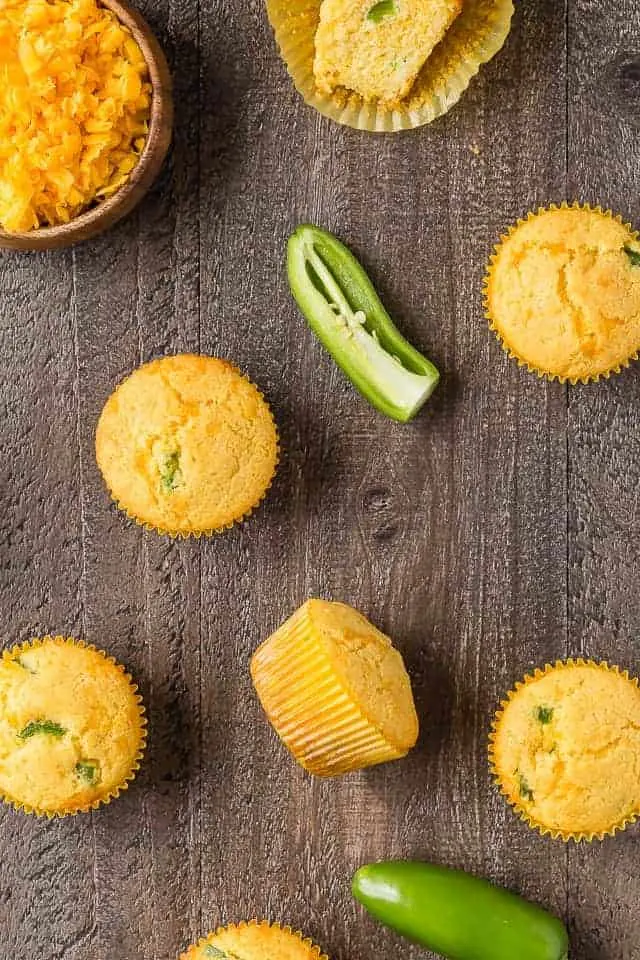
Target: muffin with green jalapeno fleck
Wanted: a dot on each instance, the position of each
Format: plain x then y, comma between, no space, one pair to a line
72,727
254,940
187,445
562,293
565,750
386,65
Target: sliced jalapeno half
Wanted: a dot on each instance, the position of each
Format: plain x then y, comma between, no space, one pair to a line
341,306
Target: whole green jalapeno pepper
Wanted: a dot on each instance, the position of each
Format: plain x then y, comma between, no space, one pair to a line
457,915
343,309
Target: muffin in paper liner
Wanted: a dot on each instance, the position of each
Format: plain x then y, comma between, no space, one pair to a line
476,35
571,254
335,690
564,750
187,446
254,940
72,714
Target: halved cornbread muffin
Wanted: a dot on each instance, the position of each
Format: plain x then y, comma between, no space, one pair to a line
378,48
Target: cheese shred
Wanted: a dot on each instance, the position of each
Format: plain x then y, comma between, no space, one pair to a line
75,102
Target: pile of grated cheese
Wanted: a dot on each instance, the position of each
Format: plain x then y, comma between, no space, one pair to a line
74,109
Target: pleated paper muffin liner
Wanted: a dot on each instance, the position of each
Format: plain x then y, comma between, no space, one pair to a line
476,35
486,284
206,531
541,828
313,952
312,713
114,792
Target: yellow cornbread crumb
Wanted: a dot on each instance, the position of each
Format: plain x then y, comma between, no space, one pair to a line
255,940
71,726
563,293
335,690
74,108
187,445
566,749
378,48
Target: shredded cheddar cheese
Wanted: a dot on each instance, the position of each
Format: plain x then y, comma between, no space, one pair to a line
74,108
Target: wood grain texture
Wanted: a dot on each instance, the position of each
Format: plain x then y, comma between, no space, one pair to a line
493,534
603,453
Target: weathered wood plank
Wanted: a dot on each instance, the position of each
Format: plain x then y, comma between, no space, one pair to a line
604,456
145,589
46,905
432,530
451,533
137,293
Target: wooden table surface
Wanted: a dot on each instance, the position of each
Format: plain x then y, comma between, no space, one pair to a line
497,532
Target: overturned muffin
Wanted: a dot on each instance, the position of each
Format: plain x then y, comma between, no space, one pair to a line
377,49
335,690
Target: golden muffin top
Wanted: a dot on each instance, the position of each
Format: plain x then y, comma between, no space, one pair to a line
71,726
563,293
378,47
186,444
369,667
567,749
254,941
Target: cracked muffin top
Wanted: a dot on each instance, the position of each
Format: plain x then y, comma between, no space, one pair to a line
71,726
254,940
563,293
566,749
187,445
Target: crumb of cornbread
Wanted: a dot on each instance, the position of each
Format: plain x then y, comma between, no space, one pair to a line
74,109
71,726
563,293
254,941
378,49
567,749
186,444
335,689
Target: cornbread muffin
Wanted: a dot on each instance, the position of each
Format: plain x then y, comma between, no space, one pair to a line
187,445
335,690
565,749
72,729
331,49
256,940
563,293
378,47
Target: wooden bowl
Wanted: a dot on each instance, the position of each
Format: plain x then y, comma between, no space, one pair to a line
107,212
